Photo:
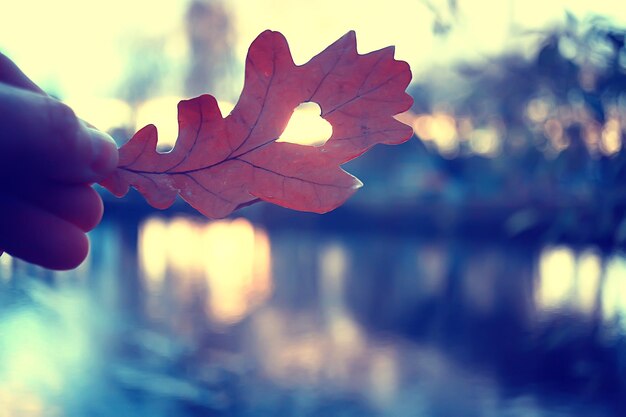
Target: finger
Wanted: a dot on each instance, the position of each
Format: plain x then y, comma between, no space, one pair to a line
12,75
36,236
42,135
78,204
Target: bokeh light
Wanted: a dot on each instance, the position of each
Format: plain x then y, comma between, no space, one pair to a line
229,260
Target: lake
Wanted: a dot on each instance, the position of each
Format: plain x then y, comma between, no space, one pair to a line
181,316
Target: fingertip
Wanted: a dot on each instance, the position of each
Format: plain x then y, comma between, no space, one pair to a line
74,258
80,205
39,237
105,156
93,212
75,252
91,157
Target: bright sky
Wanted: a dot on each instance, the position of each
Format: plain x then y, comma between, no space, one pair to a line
80,49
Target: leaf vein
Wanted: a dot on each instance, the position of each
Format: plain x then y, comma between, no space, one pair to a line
289,176
359,96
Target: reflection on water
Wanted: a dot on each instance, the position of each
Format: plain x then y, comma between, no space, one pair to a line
583,281
45,346
556,275
568,279
614,291
190,317
227,261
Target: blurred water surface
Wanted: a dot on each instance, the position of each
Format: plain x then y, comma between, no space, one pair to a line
182,316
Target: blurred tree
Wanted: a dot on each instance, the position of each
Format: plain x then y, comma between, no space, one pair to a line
445,13
558,116
211,38
147,65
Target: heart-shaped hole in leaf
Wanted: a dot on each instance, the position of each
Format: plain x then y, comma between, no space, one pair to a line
306,126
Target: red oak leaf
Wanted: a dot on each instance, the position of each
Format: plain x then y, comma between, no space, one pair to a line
220,164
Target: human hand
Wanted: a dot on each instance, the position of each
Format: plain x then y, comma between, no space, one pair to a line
48,161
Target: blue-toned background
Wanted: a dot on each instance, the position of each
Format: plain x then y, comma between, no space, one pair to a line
182,316
480,271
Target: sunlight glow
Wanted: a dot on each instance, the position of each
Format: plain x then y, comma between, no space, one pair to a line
184,249
333,264
446,133
230,259
611,140
237,267
93,62
161,112
45,346
31,362
556,277
71,54
592,136
614,290
306,127
104,114
153,253
287,356
553,129
474,35
537,110
485,141
432,264
24,403
589,270
384,376
569,280
299,349
440,130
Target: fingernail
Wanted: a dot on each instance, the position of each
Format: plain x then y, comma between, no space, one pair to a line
104,152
